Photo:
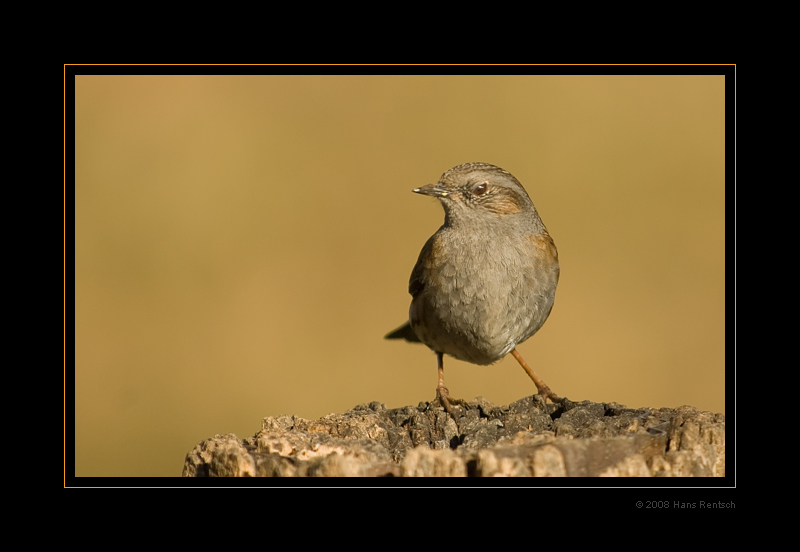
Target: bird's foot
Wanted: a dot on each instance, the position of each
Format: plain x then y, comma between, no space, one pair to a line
546,393
443,398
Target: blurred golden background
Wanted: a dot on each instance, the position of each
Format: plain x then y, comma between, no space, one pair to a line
243,244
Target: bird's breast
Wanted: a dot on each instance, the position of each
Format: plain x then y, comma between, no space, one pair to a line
484,294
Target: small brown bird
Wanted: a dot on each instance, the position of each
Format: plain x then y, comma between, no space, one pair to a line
486,280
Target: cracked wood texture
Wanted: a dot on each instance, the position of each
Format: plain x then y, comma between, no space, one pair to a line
576,439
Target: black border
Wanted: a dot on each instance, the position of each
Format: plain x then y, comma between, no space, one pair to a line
663,493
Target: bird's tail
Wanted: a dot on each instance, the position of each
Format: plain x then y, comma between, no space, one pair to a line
404,332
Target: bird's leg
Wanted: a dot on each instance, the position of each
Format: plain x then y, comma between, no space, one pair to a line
442,393
544,390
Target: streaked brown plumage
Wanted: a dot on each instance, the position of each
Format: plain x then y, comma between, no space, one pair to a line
486,280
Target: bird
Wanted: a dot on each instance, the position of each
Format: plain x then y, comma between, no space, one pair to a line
486,280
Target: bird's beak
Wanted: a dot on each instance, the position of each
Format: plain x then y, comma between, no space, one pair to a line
434,190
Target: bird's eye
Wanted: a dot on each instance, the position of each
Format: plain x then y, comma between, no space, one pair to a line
480,189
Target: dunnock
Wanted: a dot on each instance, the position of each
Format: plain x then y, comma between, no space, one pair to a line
486,280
